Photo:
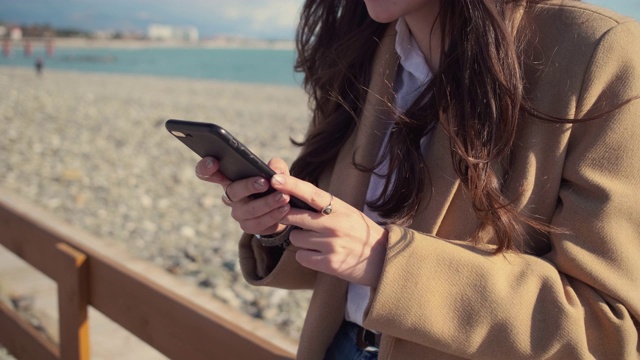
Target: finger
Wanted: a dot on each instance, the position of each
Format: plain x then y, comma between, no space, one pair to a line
241,189
267,223
311,240
207,170
254,208
312,259
303,190
279,166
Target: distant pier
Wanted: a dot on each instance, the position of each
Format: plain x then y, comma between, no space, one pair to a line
27,45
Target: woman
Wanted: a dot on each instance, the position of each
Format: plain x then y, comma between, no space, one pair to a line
474,166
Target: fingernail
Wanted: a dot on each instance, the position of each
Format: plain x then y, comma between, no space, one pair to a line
281,198
198,173
260,184
283,208
209,163
279,179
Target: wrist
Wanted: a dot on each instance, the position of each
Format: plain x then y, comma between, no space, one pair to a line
280,238
377,258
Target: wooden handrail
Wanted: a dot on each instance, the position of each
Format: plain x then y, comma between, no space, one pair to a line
22,339
86,276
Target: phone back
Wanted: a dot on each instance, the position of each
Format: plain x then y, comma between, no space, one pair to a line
236,161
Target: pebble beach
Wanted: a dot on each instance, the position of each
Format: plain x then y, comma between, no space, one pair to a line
92,149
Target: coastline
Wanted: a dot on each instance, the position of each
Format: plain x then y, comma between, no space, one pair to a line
214,43
92,149
170,77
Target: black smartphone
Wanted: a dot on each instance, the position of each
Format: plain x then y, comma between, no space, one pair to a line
236,160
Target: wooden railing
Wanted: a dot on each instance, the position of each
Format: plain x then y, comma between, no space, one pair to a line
164,319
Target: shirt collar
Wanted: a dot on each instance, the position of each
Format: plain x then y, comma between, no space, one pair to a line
411,58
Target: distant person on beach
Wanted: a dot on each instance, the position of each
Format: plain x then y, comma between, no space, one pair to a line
475,169
39,65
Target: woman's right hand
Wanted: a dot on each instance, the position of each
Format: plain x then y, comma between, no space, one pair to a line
256,216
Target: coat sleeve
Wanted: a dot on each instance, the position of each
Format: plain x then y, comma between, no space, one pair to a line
273,266
580,300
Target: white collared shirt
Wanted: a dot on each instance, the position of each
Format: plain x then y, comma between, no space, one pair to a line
412,77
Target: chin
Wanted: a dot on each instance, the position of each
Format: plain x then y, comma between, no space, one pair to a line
382,18
379,13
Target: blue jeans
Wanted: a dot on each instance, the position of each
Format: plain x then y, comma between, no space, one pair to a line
345,345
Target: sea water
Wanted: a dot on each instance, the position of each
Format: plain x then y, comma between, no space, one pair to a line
268,66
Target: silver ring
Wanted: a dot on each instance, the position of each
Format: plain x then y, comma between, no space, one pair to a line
225,197
328,209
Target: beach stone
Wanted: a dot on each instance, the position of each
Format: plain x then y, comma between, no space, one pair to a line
187,232
92,148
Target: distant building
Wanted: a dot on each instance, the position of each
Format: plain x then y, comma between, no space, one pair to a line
3,31
15,33
175,33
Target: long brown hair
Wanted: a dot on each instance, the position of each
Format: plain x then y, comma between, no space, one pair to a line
476,96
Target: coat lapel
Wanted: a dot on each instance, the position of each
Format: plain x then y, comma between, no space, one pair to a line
350,185
441,185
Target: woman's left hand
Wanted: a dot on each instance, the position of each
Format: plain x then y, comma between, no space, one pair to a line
345,243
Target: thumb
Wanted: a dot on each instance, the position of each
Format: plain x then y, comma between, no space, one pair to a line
279,166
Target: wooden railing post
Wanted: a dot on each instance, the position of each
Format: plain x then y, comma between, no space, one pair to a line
73,300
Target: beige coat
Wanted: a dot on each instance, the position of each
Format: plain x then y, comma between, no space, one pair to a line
572,295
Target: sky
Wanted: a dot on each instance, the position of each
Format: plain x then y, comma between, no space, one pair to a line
267,19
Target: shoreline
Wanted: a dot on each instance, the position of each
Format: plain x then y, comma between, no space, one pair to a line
165,77
217,43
